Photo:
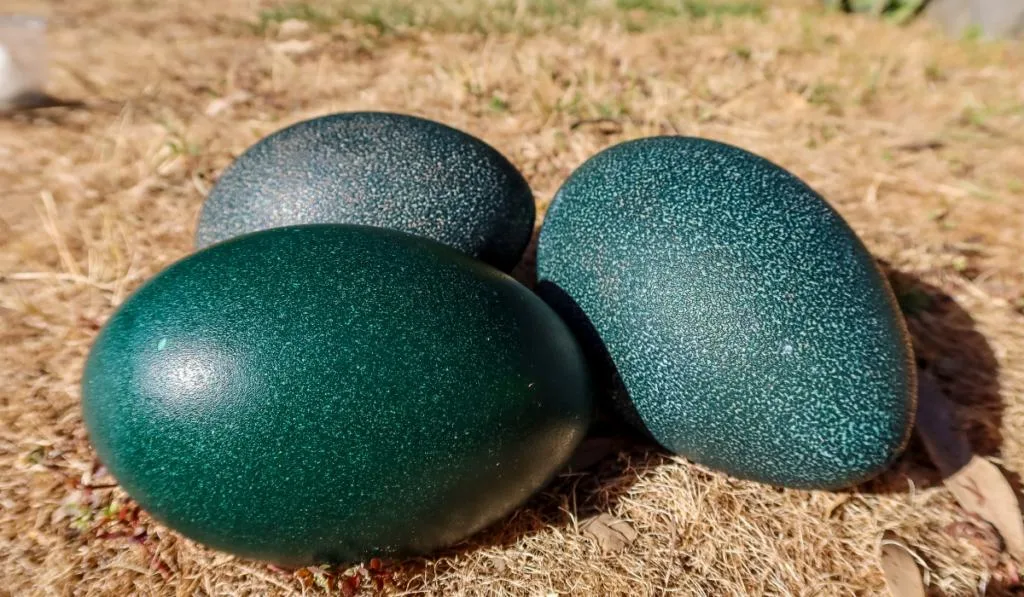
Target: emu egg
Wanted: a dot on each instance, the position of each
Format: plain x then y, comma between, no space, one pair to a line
745,324
378,169
329,393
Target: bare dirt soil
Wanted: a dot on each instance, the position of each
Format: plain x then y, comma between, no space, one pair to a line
913,137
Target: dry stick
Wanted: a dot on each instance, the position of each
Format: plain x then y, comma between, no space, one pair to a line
49,217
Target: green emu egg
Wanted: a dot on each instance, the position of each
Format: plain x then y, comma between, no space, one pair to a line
329,393
745,325
377,169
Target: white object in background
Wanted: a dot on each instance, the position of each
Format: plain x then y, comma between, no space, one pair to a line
993,19
23,64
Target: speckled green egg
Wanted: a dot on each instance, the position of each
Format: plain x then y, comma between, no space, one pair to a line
330,393
745,323
377,169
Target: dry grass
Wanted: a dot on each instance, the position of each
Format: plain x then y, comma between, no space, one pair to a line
915,139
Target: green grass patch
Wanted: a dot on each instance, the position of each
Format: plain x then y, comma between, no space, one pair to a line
298,11
659,10
823,94
501,16
724,9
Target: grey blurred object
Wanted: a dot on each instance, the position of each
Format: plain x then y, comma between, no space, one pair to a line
991,19
23,61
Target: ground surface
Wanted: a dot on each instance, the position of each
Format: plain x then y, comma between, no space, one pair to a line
914,138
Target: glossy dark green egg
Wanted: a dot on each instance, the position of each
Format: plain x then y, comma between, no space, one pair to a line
333,393
745,322
377,169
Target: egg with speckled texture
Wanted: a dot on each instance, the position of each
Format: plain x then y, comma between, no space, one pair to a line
742,322
330,393
377,169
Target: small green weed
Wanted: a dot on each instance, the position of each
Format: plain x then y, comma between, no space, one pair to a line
498,104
